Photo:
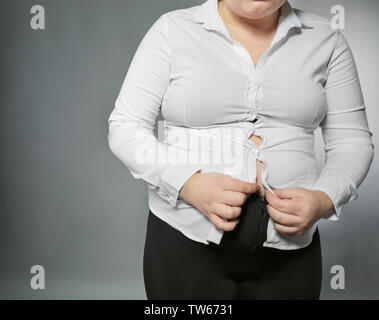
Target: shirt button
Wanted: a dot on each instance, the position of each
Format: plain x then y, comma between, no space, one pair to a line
256,152
255,83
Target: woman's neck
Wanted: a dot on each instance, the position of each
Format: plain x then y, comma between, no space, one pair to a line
257,26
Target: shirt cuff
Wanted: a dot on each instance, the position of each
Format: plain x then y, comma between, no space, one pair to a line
339,193
173,179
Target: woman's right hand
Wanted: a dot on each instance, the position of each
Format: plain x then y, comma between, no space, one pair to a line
218,196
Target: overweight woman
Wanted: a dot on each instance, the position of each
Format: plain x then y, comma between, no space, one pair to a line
235,196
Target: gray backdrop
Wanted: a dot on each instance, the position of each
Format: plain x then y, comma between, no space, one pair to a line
68,204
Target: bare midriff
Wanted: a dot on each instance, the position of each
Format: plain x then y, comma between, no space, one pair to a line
258,140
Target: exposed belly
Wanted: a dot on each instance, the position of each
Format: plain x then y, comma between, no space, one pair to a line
257,140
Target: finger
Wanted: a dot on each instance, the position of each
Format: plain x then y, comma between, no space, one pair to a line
288,231
226,211
287,193
234,198
285,219
284,205
238,185
220,224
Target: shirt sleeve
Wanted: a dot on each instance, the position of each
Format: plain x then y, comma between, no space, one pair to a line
131,123
349,149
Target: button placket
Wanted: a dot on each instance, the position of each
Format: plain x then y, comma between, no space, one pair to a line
254,80
252,103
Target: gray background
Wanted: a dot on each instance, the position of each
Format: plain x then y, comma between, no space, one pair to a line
68,204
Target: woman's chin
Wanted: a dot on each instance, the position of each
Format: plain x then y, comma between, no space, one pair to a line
259,9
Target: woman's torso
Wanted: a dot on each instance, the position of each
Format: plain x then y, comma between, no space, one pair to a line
217,99
214,86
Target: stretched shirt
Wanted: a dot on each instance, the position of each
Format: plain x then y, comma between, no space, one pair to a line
213,98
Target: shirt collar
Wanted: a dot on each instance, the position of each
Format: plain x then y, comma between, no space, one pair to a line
208,15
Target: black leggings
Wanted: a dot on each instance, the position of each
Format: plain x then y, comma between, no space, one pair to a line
176,267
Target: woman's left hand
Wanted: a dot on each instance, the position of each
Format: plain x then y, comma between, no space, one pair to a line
295,210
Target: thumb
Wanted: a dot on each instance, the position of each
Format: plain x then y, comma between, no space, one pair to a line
286,193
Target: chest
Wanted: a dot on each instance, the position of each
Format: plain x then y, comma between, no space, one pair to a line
212,83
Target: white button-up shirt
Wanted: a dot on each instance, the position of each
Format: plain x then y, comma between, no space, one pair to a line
209,92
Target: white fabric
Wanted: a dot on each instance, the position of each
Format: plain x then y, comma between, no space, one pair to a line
206,86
